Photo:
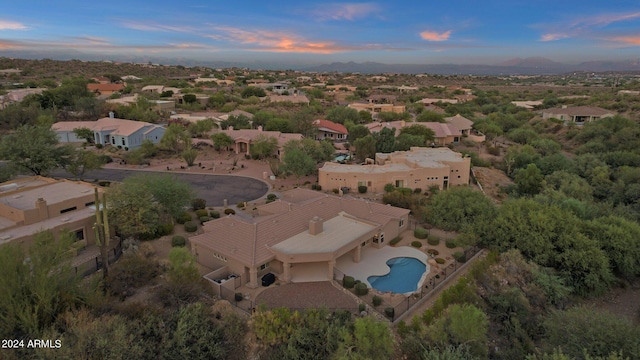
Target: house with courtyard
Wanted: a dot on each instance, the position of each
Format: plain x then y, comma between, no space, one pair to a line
329,130
244,138
32,204
577,114
418,168
444,133
298,237
461,123
375,108
105,89
121,133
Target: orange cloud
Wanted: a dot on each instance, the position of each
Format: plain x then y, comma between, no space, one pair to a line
278,41
6,45
435,36
631,40
11,25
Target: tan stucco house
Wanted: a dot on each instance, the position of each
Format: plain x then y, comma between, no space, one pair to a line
417,168
243,138
577,114
303,232
30,205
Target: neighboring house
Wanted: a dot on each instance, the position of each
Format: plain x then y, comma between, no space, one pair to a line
577,114
419,168
243,138
330,130
461,123
444,134
377,108
529,104
378,78
341,88
102,80
127,134
463,98
157,105
299,237
130,78
277,88
105,89
202,99
629,92
427,101
382,99
295,99
159,89
30,205
405,88
16,96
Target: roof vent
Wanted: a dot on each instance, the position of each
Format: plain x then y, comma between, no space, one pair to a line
315,225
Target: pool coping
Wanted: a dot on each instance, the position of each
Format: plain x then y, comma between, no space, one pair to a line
374,262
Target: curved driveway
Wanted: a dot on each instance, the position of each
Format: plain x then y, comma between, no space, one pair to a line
213,188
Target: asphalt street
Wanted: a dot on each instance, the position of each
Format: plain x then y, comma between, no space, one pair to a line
213,188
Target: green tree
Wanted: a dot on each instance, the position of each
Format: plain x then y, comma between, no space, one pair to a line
84,133
34,149
365,148
458,208
189,156
370,340
278,124
82,161
189,98
38,286
201,127
250,91
529,180
356,132
195,335
301,122
263,146
385,140
298,163
419,130
221,140
341,114
429,116
175,138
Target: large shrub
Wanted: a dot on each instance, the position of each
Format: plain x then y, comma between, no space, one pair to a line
178,241
460,256
198,204
433,240
190,226
389,311
416,244
361,289
183,218
377,300
362,189
229,211
204,219
420,233
389,188
348,281
450,243
201,212
214,214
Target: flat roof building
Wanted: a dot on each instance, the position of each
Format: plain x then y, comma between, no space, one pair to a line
417,168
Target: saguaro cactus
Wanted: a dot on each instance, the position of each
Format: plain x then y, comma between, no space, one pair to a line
101,229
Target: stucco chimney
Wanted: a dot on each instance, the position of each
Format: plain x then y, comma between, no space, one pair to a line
259,127
43,212
230,128
315,225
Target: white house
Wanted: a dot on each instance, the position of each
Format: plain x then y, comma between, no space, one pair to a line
121,133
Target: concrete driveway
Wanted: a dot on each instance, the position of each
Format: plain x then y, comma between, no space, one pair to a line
213,188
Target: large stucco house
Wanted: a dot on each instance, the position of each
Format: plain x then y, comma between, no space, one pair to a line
30,205
327,129
297,237
417,168
121,133
244,138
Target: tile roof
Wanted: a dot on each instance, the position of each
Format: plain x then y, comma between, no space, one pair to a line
459,122
248,241
442,130
330,126
120,127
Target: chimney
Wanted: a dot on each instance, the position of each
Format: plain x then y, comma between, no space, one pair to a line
41,205
315,225
230,127
111,114
259,127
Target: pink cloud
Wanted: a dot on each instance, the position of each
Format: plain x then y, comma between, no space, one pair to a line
345,11
11,25
278,41
553,36
435,36
631,40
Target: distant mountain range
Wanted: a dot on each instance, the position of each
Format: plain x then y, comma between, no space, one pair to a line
517,66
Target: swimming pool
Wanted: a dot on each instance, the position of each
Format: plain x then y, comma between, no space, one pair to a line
403,277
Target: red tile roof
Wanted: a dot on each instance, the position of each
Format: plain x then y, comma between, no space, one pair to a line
327,125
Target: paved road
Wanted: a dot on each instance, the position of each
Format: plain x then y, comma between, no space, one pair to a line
213,188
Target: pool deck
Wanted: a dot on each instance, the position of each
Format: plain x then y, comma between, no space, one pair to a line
374,262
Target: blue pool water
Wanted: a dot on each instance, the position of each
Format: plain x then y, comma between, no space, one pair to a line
403,278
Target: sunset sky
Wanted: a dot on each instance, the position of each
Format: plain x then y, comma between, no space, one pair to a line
425,32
